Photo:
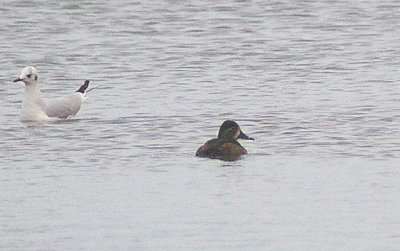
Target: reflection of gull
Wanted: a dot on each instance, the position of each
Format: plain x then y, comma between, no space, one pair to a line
34,108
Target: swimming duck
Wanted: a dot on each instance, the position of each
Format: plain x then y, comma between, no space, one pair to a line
225,147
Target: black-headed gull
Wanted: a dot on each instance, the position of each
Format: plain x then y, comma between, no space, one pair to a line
35,108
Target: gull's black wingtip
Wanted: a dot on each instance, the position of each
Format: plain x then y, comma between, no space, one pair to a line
83,87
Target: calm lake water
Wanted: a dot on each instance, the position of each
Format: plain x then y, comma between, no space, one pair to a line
316,83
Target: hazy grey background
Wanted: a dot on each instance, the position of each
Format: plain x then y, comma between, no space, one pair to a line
316,83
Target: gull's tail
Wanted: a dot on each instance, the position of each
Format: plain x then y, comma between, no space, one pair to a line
83,87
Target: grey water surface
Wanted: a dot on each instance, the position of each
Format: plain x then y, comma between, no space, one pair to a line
316,83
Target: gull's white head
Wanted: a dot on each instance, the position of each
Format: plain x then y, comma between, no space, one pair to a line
29,75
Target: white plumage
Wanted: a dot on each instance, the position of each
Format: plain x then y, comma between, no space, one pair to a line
35,108
65,107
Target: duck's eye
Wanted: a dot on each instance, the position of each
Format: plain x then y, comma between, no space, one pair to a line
29,75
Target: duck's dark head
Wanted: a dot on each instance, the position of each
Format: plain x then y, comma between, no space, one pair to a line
231,130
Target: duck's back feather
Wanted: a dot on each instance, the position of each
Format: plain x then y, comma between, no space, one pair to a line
220,149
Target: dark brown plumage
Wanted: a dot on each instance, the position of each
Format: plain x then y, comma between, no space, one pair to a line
225,147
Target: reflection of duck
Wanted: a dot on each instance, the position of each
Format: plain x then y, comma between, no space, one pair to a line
226,146
34,108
